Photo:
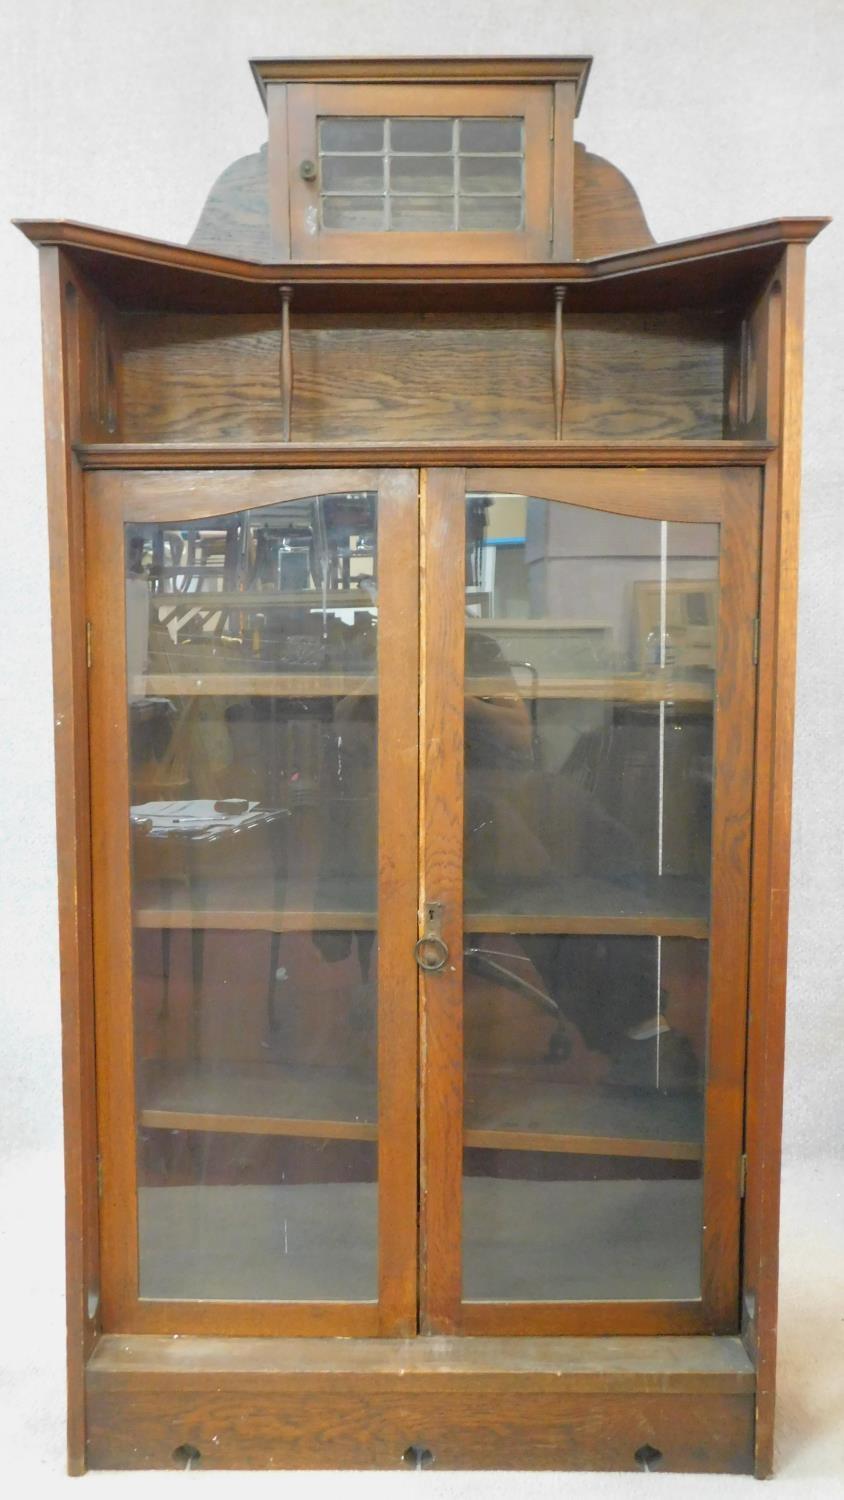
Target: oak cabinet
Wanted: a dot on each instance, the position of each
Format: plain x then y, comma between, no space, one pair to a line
423,606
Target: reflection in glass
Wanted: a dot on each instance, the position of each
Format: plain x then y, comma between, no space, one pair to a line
490,135
491,174
421,135
422,213
590,661
341,212
352,133
252,658
489,213
421,174
353,174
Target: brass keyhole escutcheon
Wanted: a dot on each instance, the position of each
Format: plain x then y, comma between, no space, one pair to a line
430,952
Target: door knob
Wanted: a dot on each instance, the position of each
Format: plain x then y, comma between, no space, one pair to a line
430,951
308,171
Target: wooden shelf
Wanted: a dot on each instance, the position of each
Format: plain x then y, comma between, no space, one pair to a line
708,270
340,685
258,1099
584,905
579,906
252,685
232,600
421,453
242,919
510,1110
688,1364
514,1110
604,689
250,905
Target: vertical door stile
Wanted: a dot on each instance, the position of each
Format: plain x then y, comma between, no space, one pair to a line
730,915
398,752
112,898
441,862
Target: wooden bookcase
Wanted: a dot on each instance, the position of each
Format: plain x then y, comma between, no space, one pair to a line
423,560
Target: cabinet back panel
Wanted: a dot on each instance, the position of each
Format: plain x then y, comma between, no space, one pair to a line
413,377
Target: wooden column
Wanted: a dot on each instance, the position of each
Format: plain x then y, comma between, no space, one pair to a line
559,361
285,364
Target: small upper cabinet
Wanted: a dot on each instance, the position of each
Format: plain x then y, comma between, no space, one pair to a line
422,162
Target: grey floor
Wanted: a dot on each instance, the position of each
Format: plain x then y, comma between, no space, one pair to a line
810,1437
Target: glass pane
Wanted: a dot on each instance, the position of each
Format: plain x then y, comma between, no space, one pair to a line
351,134
490,213
420,162
353,174
422,174
491,135
490,174
353,213
422,213
421,135
590,661
252,657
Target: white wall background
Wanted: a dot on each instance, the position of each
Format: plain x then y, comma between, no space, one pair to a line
122,114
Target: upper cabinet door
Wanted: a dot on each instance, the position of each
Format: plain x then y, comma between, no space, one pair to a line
590,691
253,711
419,172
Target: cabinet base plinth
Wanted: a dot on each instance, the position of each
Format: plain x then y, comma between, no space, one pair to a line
674,1404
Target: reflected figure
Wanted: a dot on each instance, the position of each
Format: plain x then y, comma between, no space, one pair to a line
576,806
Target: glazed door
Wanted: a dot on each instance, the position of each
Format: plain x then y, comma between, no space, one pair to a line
587,733
254,681
566,674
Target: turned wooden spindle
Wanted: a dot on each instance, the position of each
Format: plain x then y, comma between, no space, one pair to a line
285,364
559,361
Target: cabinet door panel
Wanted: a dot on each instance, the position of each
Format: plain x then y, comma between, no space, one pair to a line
417,172
598,997
254,717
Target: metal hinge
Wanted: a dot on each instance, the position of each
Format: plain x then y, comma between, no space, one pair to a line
742,1174
756,641
88,639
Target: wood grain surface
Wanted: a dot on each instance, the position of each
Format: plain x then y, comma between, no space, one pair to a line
338,1428
486,377
60,307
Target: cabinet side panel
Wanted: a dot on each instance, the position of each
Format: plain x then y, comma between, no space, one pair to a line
772,833
70,716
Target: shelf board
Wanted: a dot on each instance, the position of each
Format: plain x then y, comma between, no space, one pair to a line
584,905
709,270
252,685
605,689
210,602
250,906
337,684
423,452
578,906
509,1110
656,1363
249,1099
